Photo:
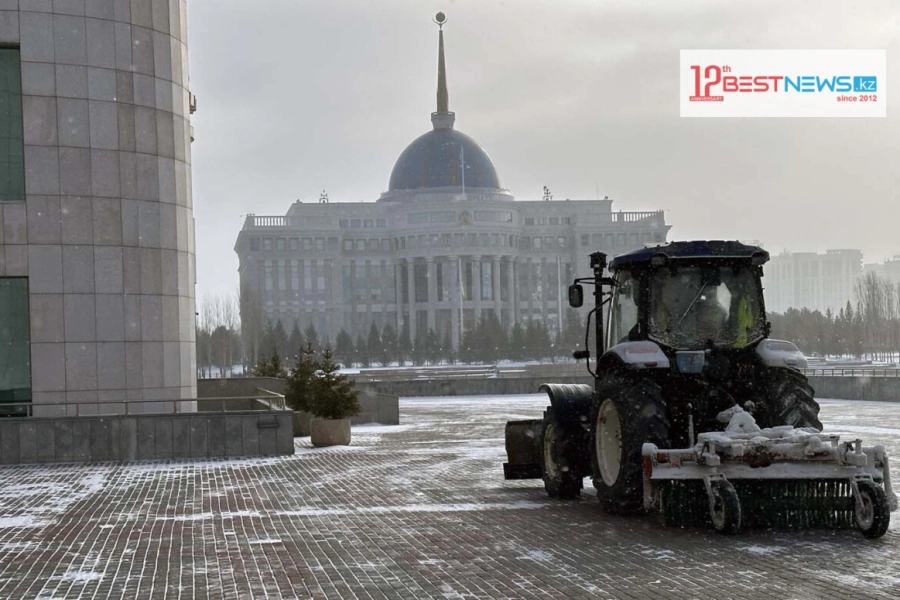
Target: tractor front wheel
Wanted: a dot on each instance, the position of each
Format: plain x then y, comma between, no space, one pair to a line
629,414
788,400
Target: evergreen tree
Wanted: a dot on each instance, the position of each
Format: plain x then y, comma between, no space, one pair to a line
263,367
491,339
311,337
270,366
295,341
333,396
277,365
516,344
343,349
404,344
432,347
267,342
280,339
420,347
558,348
537,340
388,344
446,352
573,332
362,352
468,346
373,344
299,381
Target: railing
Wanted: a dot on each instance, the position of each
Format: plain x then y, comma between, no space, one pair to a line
262,403
550,371
253,221
629,217
266,221
475,372
858,372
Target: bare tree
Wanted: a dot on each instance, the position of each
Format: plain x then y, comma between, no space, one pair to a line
231,319
253,324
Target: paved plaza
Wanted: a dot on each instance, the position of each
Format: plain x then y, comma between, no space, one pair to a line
418,510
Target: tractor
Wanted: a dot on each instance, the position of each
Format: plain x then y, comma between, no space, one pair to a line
686,339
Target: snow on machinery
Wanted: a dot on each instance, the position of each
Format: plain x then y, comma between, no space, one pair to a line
775,477
687,343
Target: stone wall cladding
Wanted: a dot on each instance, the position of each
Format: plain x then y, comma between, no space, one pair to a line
145,437
106,234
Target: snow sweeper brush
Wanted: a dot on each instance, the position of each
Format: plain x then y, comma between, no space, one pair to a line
781,478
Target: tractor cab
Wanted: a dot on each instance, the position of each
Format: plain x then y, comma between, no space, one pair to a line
688,296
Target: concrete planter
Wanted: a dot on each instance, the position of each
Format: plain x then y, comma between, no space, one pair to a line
329,432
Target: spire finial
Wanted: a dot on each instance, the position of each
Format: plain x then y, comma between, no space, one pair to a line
442,118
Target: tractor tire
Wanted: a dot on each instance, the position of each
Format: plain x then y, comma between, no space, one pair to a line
629,413
559,468
788,400
873,513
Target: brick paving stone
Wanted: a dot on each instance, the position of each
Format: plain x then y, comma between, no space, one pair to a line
419,510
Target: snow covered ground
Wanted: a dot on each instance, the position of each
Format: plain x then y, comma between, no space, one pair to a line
418,510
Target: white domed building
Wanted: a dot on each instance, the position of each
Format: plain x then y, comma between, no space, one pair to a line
444,245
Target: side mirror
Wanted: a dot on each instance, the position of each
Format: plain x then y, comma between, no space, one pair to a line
576,296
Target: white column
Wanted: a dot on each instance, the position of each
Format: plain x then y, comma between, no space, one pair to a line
431,273
398,295
495,287
530,283
511,283
455,301
367,299
411,296
544,286
476,288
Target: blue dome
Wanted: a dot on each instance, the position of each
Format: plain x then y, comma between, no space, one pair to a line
433,160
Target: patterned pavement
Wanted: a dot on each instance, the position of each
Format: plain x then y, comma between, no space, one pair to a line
418,510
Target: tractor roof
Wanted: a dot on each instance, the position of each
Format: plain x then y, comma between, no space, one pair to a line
694,252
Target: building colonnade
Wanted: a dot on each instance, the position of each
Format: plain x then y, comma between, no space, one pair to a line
446,293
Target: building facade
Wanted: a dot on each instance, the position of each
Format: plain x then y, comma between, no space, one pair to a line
442,247
889,269
96,238
811,280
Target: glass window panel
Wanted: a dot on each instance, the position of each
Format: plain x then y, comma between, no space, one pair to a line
12,150
15,348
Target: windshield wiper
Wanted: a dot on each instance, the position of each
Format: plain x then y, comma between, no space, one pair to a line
693,302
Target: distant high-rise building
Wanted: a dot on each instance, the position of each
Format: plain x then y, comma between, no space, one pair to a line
811,280
889,269
443,246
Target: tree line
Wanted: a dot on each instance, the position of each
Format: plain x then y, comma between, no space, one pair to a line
486,343
218,337
870,327
232,331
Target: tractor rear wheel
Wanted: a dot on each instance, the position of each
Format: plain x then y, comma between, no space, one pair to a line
788,400
559,468
630,413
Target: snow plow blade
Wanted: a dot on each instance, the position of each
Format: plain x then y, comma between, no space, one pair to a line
523,448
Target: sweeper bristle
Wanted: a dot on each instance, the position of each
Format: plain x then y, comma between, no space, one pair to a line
776,504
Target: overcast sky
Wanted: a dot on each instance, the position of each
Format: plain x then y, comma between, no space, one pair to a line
297,96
